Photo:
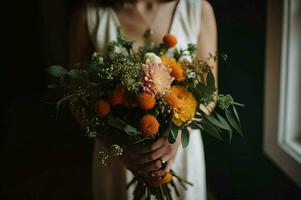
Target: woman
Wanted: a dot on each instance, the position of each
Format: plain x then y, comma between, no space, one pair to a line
191,21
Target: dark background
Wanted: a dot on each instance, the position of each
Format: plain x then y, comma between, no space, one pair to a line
42,158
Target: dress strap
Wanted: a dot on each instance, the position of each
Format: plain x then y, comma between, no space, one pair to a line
186,24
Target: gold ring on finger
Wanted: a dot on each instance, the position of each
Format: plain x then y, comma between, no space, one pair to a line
163,162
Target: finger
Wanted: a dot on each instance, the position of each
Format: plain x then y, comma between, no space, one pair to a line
149,157
154,166
163,170
154,146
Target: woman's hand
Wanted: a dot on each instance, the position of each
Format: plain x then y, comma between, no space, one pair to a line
148,160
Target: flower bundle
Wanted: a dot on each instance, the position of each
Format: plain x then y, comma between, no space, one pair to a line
143,95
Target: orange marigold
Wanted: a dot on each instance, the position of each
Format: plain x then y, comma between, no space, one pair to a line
102,108
170,40
183,104
157,182
146,101
149,125
177,70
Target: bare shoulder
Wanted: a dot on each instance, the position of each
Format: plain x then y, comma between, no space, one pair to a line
208,34
207,13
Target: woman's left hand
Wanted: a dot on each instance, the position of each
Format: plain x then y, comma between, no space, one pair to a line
152,157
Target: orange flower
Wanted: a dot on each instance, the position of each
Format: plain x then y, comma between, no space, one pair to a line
177,70
102,108
157,182
170,40
149,125
116,96
183,104
146,101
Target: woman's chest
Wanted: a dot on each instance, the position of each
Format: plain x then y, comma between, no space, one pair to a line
137,26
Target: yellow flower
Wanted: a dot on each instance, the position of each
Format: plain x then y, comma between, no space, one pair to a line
157,182
183,104
177,70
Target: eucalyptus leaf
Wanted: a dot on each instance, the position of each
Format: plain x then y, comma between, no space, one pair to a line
131,130
236,114
74,73
210,81
60,104
57,110
224,121
123,126
117,123
233,122
193,125
57,71
216,122
142,140
185,137
211,130
230,136
203,92
173,134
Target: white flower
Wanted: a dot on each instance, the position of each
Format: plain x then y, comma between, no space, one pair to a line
152,57
186,57
190,74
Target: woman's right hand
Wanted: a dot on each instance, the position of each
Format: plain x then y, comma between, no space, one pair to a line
129,158
144,161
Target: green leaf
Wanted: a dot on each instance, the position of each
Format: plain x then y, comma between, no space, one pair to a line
60,104
203,92
142,140
123,126
131,130
185,137
74,73
233,122
216,122
57,71
210,129
117,123
194,125
173,134
224,121
210,81
236,114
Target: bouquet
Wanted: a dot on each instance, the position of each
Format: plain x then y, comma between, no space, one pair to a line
136,97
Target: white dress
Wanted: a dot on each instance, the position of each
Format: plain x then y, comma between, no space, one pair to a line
109,182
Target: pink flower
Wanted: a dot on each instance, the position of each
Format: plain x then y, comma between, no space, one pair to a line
156,78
